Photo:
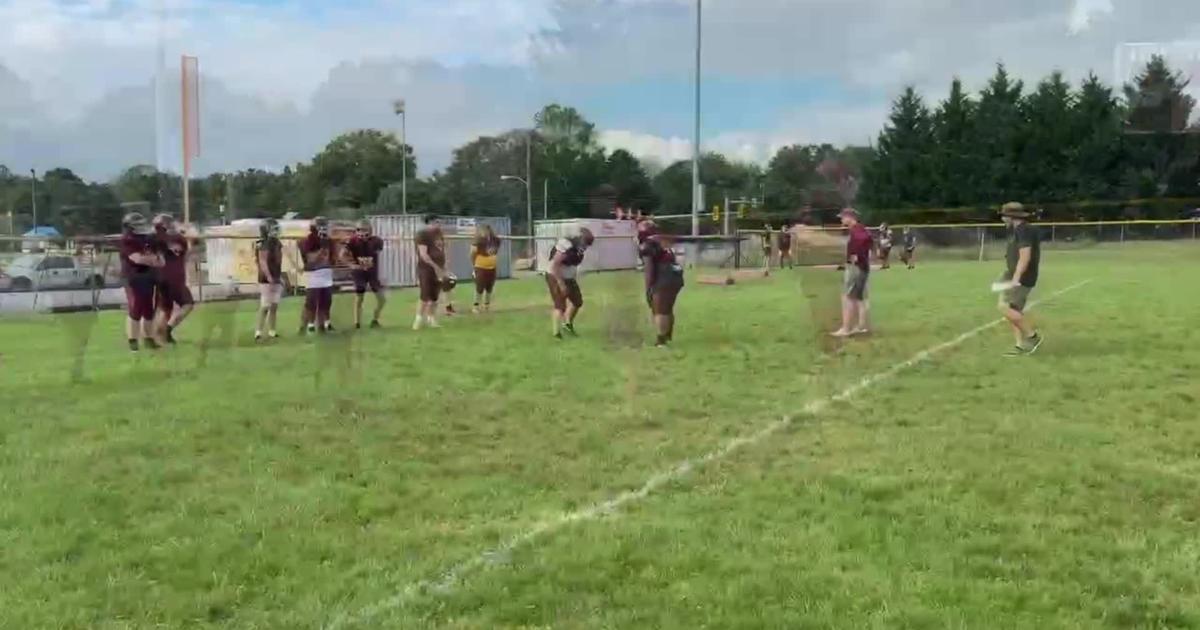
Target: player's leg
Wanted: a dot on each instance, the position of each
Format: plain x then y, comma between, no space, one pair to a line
558,311
325,309
574,304
864,305
309,314
133,319
849,303
184,305
1012,307
264,310
380,302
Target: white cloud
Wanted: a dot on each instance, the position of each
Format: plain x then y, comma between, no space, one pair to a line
282,76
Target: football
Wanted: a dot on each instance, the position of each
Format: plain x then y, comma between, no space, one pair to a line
449,282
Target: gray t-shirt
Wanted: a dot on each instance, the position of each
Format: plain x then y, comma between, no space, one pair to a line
1021,236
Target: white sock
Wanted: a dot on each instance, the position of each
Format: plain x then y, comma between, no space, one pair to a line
257,333
418,321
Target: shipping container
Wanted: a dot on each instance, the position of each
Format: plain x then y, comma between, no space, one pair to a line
615,246
398,262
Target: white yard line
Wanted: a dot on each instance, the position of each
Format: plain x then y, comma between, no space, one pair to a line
458,573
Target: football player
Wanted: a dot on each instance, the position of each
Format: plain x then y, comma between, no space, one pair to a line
363,250
268,252
886,239
664,281
785,246
319,256
483,263
139,269
173,296
562,280
431,271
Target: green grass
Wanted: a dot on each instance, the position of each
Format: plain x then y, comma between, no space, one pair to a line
252,490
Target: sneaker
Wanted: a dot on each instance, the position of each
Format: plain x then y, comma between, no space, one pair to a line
133,345
841,333
475,310
357,326
257,337
375,324
273,335
558,336
570,328
152,344
860,331
171,336
1016,351
311,328
1033,343
450,312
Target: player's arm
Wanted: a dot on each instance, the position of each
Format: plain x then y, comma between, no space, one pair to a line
423,254
264,266
149,260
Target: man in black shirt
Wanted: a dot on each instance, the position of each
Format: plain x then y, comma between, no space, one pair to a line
1023,260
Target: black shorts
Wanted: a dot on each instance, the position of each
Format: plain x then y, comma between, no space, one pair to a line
485,280
172,294
139,298
662,297
573,294
318,301
364,280
430,286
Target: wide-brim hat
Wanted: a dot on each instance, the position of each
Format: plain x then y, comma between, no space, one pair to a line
1015,210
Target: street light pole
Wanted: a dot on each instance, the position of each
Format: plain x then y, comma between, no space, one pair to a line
545,199
696,136
402,112
33,194
529,187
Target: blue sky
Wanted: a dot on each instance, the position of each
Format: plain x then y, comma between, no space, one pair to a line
282,76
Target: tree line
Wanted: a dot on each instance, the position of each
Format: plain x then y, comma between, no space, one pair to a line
1056,145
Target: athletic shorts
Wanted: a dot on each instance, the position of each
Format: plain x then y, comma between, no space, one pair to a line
485,280
427,280
855,285
662,297
1015,298
364,280
560,298
318,300
269,294
139,299
170,295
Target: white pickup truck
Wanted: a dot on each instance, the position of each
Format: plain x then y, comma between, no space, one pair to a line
41,272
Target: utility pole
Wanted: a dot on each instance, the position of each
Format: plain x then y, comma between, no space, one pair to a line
545,199
401,109
696,137
33,194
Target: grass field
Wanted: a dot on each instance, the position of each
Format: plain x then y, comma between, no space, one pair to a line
458,478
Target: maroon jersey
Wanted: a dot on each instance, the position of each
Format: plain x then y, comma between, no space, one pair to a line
433,241
174,249
661,264
859,246
366,253
274,249
313,244
136,244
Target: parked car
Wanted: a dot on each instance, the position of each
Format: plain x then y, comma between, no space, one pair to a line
43,272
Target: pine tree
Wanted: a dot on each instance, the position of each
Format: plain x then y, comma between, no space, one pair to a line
998,132
955,163
1164,147
900,174
1047,138
1097,149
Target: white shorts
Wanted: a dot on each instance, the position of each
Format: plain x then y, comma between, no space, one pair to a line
319,279
270,294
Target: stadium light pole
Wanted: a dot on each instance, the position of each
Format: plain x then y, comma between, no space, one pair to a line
33,194
402,111
696,136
